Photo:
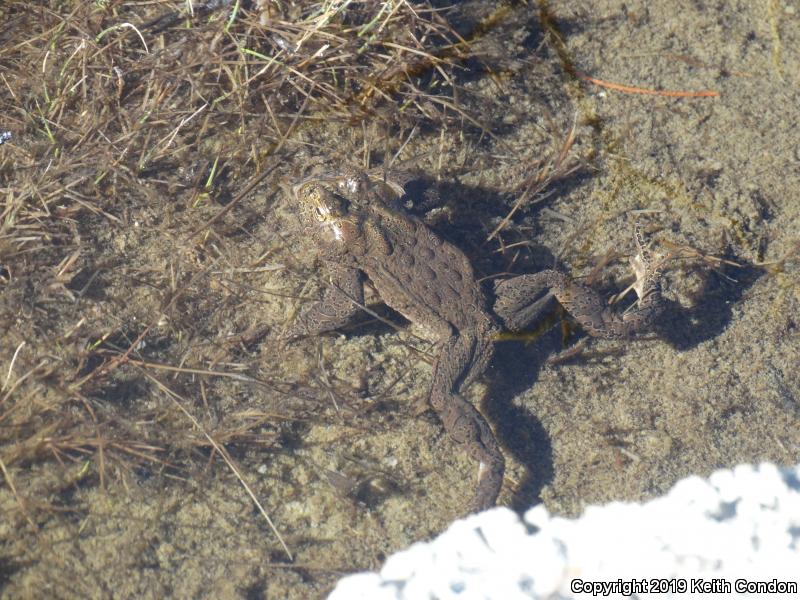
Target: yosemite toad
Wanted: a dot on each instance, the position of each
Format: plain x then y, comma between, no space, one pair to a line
360,232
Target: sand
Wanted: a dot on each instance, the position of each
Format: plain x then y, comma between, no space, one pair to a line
362,472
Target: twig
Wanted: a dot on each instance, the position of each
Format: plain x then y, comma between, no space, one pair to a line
228,460
11,366
646,91
10,483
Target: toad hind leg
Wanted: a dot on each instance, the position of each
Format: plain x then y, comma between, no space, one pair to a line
583,303
521,299
460,359
594,315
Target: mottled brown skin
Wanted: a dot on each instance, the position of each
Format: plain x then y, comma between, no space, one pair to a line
516,309
359,232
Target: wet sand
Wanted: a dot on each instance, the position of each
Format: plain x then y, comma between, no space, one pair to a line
715,386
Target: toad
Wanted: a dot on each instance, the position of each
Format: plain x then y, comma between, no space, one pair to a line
361,231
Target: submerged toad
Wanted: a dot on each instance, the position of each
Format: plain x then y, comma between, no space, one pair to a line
360,232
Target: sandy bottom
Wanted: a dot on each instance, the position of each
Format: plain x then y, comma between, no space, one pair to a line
714,386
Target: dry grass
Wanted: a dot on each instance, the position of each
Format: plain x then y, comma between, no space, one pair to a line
131,125
144,249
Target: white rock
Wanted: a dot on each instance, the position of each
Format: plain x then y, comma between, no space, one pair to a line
737,524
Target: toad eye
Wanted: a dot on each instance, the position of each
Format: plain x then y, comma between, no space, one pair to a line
313,202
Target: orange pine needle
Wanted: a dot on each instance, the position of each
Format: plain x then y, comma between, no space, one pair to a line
645,91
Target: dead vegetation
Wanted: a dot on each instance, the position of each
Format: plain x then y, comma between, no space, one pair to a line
142,243
131,275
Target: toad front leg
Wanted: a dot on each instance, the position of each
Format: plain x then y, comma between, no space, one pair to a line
339,304
463,356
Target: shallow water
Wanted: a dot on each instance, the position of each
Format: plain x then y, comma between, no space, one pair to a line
714,387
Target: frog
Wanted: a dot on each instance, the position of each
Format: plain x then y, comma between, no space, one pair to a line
361,231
